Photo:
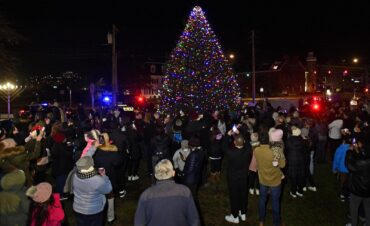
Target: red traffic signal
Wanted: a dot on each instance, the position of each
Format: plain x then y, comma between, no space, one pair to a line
316,107
140,99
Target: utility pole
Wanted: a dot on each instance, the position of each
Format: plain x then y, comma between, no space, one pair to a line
253,70
114,66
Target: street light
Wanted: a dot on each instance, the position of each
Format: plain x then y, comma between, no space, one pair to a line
231,56
355,60
261,91
9,92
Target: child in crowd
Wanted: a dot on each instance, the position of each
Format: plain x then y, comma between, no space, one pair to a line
46,209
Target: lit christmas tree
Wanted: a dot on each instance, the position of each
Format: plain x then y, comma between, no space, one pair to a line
198,74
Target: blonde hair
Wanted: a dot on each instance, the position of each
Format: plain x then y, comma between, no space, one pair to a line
164,170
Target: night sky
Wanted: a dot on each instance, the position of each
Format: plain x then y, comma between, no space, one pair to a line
65,35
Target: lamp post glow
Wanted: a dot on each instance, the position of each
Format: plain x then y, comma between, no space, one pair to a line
231,56
9,92
355,60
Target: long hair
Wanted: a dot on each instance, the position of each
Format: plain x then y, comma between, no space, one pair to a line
39,212
56,128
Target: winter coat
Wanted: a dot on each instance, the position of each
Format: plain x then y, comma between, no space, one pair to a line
215,149
14,203
160,146
166,204
134,139
253,165
108,157
62,156
89,194
268,174
179,158
295,149
121,141
194,166
340,158
238,161
359,174
56,213
19,158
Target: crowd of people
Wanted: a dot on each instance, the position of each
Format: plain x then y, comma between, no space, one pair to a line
48,157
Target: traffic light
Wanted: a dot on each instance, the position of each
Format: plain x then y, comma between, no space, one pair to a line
316,107
345,72
366,90
140,99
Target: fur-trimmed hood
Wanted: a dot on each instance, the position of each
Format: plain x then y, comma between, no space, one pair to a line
10,152
108,147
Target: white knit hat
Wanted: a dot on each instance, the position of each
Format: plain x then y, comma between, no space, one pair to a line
296,131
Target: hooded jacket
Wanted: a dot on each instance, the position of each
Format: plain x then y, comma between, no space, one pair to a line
14,204
108,157
19,158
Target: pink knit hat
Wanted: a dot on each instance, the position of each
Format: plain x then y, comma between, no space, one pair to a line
40,193
275,135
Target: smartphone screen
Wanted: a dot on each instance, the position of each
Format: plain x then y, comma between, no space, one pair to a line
235,129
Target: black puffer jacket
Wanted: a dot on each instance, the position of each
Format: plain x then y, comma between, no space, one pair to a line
193,166
359,173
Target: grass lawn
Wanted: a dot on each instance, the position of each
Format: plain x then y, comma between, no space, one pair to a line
321,208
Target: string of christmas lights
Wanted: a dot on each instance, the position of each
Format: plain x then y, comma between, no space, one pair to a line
198,75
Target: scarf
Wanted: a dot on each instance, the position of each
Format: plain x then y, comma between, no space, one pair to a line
86,175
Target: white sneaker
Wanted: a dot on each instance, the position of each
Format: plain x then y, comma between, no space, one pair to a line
312,188
130,178
257,192
135,178
299,194
293,195
63,198
230,218
304,188
251,191
242,217
122,193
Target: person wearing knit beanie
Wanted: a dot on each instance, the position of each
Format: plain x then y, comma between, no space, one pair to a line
13,200
46,208
276,146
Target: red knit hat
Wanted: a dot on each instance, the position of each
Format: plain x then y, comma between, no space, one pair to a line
36,127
